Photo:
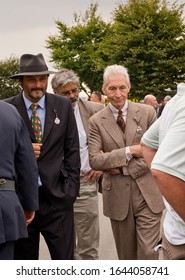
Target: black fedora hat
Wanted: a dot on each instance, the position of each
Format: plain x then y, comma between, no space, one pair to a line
31,65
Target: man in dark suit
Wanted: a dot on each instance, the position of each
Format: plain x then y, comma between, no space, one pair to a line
18,180
86,216
131,198
57,157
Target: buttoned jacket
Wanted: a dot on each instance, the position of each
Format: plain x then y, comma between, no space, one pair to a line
59,161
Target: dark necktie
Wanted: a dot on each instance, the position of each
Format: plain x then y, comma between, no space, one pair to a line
120,121
36,123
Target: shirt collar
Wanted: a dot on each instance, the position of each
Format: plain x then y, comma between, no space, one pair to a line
28,103
124,108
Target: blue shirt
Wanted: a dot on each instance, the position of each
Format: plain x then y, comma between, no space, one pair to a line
41,109
41,112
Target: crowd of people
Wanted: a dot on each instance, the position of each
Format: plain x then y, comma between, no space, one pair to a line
70,149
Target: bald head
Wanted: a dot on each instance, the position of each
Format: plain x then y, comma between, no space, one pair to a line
151,100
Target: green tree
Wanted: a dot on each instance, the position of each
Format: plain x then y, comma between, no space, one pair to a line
146,36
77,47
149,39
8,87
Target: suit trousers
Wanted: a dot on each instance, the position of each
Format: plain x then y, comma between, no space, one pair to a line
7,250
139,233
57,228
86,220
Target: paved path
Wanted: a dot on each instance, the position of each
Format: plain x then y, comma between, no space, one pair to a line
107,250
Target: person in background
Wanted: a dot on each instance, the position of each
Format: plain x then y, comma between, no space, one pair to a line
164,151
141,101
18,180
52,127
162,105
96,96
131,198
86,216
151,100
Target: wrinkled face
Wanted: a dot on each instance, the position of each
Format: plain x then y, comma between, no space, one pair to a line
116,89
34,86
70,90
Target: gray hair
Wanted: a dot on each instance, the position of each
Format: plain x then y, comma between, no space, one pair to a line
64,77
167,98
115,69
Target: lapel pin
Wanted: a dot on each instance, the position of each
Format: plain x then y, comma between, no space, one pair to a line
138,128
57,120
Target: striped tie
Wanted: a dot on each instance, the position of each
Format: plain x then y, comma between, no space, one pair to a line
36,123
120,121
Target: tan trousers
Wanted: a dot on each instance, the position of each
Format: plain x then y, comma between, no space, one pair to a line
137,235
86,220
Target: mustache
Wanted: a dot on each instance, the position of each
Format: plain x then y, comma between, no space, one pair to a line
73,100
35,89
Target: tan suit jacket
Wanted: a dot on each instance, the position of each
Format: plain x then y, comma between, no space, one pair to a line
88,109
107,150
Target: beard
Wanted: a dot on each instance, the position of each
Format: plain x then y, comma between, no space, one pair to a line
74,101
36,93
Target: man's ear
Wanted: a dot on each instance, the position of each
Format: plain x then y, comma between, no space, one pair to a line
103,90
129,86
20,81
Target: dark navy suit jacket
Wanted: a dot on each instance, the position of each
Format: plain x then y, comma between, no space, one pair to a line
17,163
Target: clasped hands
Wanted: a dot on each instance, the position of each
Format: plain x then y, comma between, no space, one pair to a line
135,151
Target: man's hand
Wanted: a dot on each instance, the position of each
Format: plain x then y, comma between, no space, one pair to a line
29,215
113,171
92,176
37,149
135,151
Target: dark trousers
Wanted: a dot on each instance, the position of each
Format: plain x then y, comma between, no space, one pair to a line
57,228
7,250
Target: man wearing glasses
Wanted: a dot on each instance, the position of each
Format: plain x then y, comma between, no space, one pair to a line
86,220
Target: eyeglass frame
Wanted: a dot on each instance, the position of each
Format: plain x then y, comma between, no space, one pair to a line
68,92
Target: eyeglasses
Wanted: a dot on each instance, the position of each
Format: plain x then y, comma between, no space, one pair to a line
68,92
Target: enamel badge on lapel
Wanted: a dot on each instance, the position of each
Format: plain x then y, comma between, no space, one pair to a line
57,120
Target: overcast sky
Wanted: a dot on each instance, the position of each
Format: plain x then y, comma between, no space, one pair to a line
25,25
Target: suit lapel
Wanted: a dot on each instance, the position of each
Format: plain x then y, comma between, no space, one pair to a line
21,108
51,114
85,115
132,123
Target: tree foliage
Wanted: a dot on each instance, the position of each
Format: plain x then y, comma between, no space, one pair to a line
8,87
77,47
146,36
150,42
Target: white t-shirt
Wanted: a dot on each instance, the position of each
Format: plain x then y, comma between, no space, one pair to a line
167,135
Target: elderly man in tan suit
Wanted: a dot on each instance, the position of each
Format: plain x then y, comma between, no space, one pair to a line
131,199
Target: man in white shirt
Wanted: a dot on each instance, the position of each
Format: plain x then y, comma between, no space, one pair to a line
163,148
